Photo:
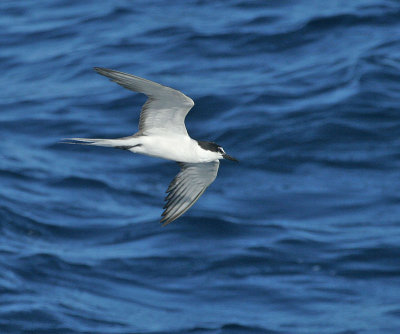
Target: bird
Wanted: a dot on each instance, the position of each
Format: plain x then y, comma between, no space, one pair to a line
162,133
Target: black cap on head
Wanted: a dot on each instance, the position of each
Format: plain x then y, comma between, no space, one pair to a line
209,146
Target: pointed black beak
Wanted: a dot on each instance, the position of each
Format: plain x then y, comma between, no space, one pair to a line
228,157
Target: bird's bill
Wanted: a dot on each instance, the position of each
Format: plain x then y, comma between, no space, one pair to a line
228,157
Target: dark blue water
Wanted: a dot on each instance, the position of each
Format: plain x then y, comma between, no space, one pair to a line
303,236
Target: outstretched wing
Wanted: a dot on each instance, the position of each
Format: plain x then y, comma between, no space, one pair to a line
165,109
186,188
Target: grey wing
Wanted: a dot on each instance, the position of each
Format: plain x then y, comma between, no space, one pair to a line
165,109
186,188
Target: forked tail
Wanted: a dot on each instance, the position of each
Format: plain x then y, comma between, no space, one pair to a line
116,143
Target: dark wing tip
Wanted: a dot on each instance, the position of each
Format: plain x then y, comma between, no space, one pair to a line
164,221
102,70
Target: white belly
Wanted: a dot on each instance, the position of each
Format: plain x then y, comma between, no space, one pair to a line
176,148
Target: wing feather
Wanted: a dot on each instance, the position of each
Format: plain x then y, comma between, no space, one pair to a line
165,109
186,188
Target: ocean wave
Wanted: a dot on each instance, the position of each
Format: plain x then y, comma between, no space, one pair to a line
293,238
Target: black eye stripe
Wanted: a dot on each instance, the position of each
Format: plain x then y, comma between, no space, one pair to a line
210,146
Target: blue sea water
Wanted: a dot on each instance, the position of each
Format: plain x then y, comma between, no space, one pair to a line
302,236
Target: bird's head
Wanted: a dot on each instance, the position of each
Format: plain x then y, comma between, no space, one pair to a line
224,155
216,150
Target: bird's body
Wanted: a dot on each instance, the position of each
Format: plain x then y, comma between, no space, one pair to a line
162,134
172,147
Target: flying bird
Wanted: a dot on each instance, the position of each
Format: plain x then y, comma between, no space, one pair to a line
162,134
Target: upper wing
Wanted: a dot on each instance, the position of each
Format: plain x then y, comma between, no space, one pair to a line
165,109
186,188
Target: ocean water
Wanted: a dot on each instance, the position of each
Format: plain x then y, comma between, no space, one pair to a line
302,236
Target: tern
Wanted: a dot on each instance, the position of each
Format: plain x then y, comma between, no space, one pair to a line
162,134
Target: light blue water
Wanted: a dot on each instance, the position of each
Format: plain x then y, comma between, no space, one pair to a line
301,237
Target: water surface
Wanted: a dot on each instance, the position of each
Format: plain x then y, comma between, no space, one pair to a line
301,237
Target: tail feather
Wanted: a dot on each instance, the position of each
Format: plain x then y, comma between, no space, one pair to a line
91,141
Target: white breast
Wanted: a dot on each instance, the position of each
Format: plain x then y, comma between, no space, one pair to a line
175,147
